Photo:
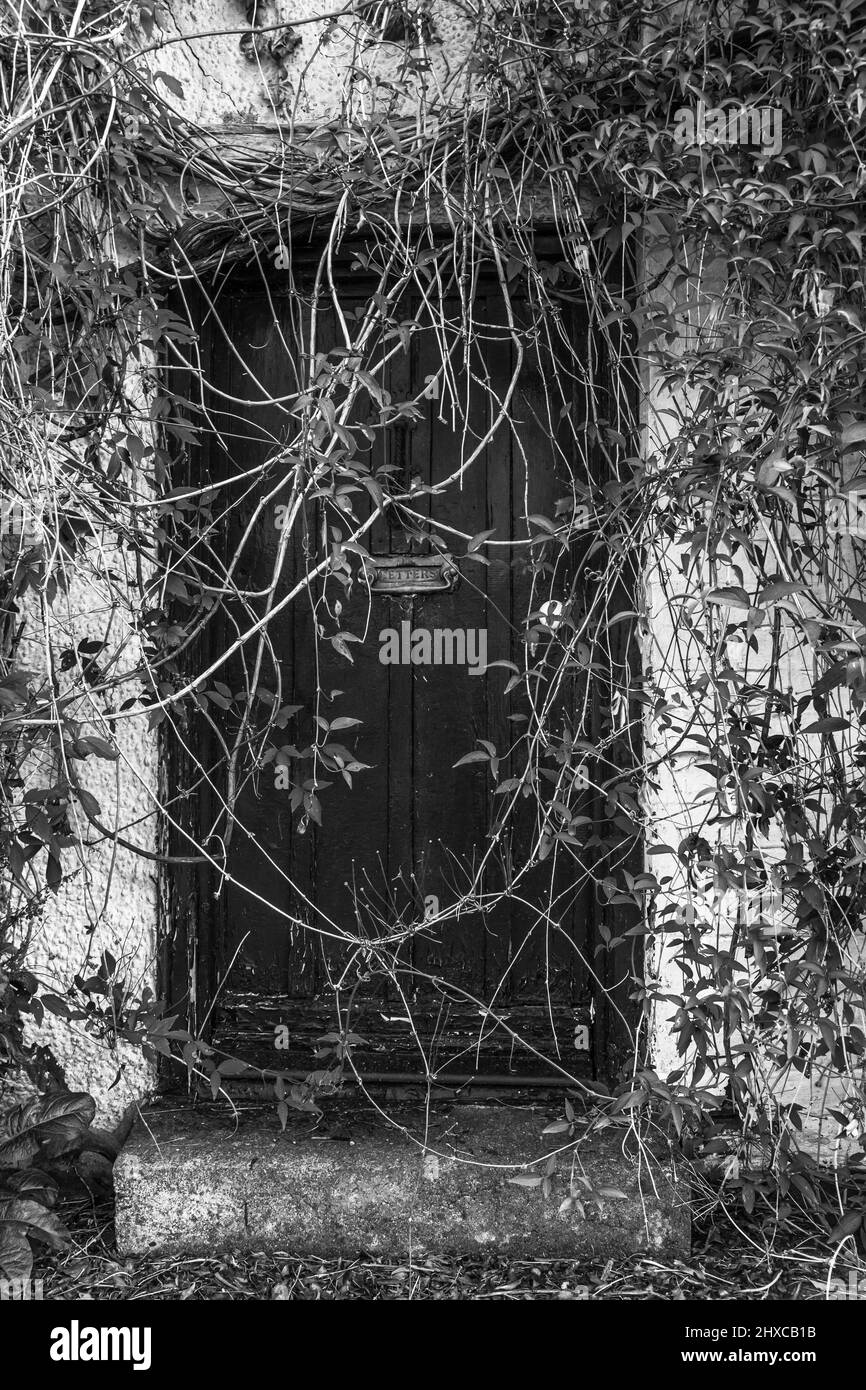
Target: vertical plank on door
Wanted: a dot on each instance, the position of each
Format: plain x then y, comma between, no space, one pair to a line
451,804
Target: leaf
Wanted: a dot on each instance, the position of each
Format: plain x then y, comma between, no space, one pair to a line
524,1180
858,608
830,679
34,1181
734,597
853,435
283,715
99,746
833,724
375,491
848,1226
171,82
53,873
89,802
16,1257
233,1066
478,756
49,1125
33,1219
780,588
478,540
340,641
633,1099
55,1005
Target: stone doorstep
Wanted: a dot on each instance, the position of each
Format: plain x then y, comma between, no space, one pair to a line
191,1180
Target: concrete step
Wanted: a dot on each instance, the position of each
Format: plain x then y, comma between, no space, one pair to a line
198,1179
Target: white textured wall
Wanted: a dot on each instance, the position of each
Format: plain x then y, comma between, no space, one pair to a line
682,795
107,898
221,85
106,902
673,801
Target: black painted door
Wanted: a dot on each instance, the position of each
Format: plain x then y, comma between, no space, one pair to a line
357,822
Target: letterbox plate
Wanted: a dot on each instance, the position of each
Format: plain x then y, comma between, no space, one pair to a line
412,574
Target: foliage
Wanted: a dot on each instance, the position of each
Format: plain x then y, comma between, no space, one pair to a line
743,326
33,1136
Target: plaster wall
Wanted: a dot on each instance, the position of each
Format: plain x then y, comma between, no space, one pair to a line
204,49
682,795
106,900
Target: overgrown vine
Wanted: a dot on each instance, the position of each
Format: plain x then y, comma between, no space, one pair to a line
717,451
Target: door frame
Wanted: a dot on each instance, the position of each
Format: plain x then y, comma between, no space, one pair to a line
189,930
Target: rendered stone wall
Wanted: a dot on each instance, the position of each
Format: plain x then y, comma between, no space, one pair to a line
683,793
107,898
222,86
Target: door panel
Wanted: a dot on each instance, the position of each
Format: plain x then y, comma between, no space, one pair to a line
365,857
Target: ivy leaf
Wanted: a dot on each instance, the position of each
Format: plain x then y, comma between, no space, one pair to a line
16,1257
477,756
375,490
734,597
478,540
55,1005
89,802
340,644
830,679
544,522
233,1066
780,588
53,873
283,715
49,1125
99,746
33,1219
171,82
848,1226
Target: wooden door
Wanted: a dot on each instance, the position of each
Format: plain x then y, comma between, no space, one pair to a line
393,828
